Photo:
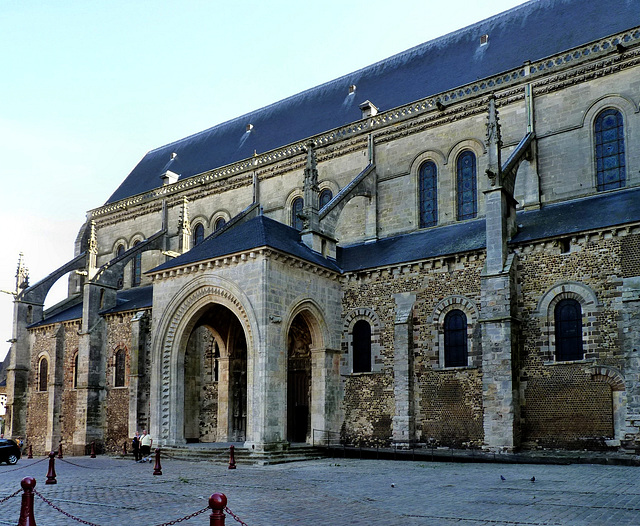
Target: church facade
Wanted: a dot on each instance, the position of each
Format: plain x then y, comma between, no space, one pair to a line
442,248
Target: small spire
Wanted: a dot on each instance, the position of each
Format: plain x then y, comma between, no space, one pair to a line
494,144
93,241
22,275
184,227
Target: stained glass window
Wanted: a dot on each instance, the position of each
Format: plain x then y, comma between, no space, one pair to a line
325,196
428,182
467,191
198,234
455,339
568,318
610,166
296,208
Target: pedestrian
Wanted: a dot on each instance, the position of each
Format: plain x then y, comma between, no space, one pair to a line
145,446
135,444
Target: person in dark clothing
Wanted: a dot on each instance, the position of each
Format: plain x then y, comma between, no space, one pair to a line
136,447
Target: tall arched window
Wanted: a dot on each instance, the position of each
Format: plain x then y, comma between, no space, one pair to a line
455,339
466,183
568,320
296,209
43,374
75,371
198,234
118,380
428,187
609,135
361,347
136,271
325,196
220,222
119,252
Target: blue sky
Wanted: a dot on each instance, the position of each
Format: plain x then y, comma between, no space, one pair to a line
89,87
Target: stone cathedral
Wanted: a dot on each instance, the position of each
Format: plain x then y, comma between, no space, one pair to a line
442,248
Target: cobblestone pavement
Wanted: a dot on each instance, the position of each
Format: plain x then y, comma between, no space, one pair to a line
115,492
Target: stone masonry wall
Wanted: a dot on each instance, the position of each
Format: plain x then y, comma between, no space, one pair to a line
562,406
448,402
43,343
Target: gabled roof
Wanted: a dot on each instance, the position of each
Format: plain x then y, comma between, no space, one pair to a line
529,32
258,232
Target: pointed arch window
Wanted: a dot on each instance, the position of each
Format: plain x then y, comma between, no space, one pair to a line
455,339
43,374
198,234
467,185
136,271
119,369
609,136
428,187
568,321
296,209
361,347
325,196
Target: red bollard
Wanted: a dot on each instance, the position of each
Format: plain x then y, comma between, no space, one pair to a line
232,457
124,448
93,449
51,474
30,455
157,469
217,503
60,450
26,510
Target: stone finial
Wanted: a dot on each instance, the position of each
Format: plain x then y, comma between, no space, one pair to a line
22,275
184,227
93,241
494,144
92,252
311,191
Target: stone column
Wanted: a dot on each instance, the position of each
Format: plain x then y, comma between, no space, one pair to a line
499,363
24,313
403,419
224,393
139,324
55,388
325,390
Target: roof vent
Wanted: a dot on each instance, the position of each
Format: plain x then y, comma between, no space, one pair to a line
249,127
352,89
368,109
174,155
484,40
169,177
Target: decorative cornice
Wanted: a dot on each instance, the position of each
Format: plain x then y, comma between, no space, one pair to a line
239,258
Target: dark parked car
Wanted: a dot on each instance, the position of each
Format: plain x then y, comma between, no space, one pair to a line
9,451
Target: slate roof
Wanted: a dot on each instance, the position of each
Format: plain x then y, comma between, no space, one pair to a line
129,299
532,31
261,231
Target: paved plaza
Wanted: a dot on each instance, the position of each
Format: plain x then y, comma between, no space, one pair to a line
334,492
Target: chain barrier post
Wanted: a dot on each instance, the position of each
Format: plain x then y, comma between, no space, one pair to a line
30,455
93,449
217,503
232,457
26,510
51,474
60,450
157,469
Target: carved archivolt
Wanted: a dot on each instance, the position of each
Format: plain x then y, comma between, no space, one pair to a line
181,322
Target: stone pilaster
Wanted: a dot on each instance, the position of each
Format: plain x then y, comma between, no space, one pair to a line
55,387
325,390
630,346
403,419
139,329
499,358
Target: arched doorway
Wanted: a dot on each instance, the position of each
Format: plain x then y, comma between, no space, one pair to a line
298,381
215,378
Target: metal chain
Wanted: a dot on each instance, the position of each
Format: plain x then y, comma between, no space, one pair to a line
78,465
235,516
47,501
23,467
194,514
176,521
10,496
